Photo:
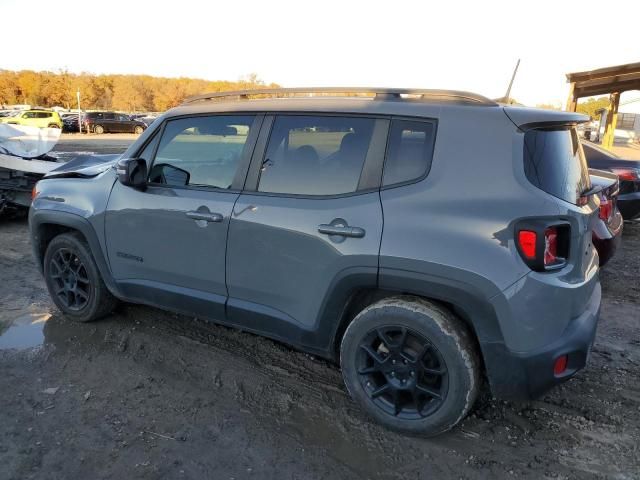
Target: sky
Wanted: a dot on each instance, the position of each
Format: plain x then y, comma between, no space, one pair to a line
464,45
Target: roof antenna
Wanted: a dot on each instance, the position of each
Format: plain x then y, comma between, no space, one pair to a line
507,96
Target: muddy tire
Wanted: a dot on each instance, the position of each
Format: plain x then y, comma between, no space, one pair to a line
138,130
74,281
99,129
411,364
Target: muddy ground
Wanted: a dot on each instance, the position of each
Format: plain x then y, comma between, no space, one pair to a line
148,394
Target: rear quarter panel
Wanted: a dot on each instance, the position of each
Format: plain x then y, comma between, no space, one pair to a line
458,223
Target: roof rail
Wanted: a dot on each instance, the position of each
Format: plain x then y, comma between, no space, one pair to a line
377,93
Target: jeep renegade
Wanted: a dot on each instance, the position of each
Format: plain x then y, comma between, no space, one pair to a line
424,240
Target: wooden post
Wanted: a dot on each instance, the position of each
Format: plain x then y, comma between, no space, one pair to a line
572,102
612,120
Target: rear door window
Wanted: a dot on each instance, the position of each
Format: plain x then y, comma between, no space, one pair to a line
409,151
554,162
315,155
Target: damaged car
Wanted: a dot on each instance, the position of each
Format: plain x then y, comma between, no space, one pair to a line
24,160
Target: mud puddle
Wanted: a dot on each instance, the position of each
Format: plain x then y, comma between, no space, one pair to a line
24,331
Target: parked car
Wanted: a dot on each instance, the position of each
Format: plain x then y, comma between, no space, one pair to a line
628,171
70,123
111,122
402,237
148,120
34,118
607,232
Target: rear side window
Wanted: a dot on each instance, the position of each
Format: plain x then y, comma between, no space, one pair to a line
554,162
409,151
319,155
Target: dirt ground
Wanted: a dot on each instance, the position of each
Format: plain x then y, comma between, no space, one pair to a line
148,394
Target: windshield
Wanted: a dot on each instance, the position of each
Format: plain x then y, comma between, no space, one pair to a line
554,162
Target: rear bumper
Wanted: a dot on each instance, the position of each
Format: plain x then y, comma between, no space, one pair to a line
607,237
629,205
606,247
527,375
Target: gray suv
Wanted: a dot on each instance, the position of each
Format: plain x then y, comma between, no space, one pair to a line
427,241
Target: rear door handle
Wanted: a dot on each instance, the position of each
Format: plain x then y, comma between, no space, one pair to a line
207,217
354,232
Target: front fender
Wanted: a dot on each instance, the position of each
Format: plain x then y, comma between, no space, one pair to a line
41,220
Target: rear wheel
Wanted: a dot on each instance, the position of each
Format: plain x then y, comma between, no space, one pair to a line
138,130
54,125
98,129
74,281
411,364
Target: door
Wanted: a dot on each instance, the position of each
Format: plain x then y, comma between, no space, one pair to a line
109,122
313,218
42,119
167,244
123,123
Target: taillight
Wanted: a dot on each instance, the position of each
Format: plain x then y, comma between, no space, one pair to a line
527,241
629,174
606,209
543,247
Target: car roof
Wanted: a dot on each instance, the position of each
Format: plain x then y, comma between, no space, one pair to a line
380,101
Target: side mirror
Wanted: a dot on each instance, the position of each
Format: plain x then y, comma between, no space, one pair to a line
132,172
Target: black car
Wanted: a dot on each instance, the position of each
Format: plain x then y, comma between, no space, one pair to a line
607,230
70,123
628,172
112,122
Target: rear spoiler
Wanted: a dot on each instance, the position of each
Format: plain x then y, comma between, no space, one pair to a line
527,118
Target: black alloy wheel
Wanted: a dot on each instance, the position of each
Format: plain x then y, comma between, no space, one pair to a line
70,279
402,372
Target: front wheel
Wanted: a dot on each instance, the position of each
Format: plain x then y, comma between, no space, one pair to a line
54,125
411,364
74,281
138,130
99,129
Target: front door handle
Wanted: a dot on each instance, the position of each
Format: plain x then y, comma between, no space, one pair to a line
354,232
207,217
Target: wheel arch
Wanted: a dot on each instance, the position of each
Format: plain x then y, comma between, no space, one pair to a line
464,300
45,225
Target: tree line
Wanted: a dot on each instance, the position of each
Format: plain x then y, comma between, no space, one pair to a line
132,93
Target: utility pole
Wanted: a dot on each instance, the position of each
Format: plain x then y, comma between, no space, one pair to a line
79,112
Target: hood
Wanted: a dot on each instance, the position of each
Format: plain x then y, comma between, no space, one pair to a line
84,166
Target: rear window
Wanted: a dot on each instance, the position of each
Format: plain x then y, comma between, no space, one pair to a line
554,162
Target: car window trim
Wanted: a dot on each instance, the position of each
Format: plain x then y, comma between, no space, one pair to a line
373,178
243,165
